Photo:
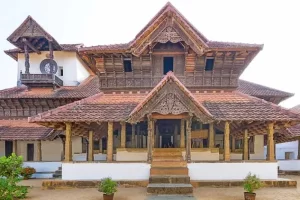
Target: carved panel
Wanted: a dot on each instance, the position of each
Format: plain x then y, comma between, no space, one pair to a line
157,65
170,105
169,34
179,64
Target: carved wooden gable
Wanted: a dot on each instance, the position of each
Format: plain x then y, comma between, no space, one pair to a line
168,35
29,28
170,99
169,26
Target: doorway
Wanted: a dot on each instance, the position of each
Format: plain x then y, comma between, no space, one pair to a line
168,133
8,148
168,64
30,152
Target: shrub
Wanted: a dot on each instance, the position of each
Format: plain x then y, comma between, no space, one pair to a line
27,172
108,186
10,172
251,183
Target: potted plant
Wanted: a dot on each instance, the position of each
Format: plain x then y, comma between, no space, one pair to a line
27,172
108,187
251,183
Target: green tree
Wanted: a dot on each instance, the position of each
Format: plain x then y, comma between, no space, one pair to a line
10,175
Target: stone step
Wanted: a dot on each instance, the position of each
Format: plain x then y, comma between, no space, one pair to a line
168,149
161,159
169,171
170,163
167,153
162,188
169,179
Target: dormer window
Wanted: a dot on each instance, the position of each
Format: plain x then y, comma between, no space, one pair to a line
209,64
127,65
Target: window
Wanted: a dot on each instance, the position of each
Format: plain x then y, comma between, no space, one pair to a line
8,148
30,152
96,145
127,65
209,64
168,64
61,71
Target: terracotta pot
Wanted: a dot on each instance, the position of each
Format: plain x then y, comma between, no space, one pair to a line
249,196
108,196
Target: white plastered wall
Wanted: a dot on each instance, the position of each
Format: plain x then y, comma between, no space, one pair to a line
51,150
74,69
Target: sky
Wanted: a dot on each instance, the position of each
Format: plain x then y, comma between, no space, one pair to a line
93,22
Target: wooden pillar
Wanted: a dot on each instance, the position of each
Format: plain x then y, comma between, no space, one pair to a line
51,51
133,136
149,142
182,145
274,149
153,133
211,135
27,65
270,144
110,142
123,135
157,136
226,142
15,147
175,135
91,146
232,143
39,151
138,144
246,145
298,157
189,138
68,145
100,145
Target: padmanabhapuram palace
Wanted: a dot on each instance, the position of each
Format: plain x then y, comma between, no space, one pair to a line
169,102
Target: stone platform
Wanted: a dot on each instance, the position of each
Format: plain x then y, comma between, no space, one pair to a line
170,197
62,184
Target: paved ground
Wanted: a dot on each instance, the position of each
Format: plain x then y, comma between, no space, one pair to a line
204,193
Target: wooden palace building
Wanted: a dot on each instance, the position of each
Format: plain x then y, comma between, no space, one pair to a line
168,97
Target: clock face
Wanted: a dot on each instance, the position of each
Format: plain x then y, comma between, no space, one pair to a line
48,66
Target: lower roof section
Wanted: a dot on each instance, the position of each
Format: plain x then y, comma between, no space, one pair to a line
22,130
117,106
90,87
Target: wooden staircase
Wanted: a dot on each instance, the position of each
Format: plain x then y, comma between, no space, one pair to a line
169,173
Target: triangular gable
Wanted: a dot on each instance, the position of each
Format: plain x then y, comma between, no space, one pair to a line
169,18
30,29
170,96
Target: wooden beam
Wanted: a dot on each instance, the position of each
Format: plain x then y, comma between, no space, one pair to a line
25,41
169,116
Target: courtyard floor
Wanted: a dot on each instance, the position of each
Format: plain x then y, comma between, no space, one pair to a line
203,193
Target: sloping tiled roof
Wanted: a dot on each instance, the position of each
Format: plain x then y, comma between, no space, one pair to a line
87,88
166,8
291,133
65,47
117,107
22,130
257,90
90,87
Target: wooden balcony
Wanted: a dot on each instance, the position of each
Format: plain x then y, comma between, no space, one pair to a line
41,80
144,80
